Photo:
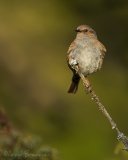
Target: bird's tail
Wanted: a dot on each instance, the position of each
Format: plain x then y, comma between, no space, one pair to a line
74,85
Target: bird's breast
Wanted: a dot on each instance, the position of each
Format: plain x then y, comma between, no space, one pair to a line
88,57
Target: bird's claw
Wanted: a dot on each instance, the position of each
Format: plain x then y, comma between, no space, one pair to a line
74,64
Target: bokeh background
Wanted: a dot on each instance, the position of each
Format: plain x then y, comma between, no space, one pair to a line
34,77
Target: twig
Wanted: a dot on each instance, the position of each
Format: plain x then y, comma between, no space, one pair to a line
120,136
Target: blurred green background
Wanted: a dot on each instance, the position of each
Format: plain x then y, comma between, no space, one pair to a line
34,77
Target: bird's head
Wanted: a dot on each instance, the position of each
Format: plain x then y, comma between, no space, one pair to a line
85,29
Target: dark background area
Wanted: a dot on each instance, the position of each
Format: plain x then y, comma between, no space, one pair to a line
34,76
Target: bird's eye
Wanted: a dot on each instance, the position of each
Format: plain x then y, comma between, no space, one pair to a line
86,30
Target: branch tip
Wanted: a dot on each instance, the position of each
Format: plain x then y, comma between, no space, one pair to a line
88,87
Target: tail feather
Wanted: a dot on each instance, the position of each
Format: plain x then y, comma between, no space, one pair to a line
74,85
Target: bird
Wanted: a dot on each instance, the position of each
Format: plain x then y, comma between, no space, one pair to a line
87,52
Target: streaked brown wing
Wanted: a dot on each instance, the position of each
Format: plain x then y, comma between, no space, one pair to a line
72,47
101,47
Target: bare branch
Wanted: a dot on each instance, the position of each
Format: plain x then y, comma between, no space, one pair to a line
120,136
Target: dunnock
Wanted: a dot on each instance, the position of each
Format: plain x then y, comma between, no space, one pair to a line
87,52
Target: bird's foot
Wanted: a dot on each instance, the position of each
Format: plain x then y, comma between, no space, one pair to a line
88,86
74,64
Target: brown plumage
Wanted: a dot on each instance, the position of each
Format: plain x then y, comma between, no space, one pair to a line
87,51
